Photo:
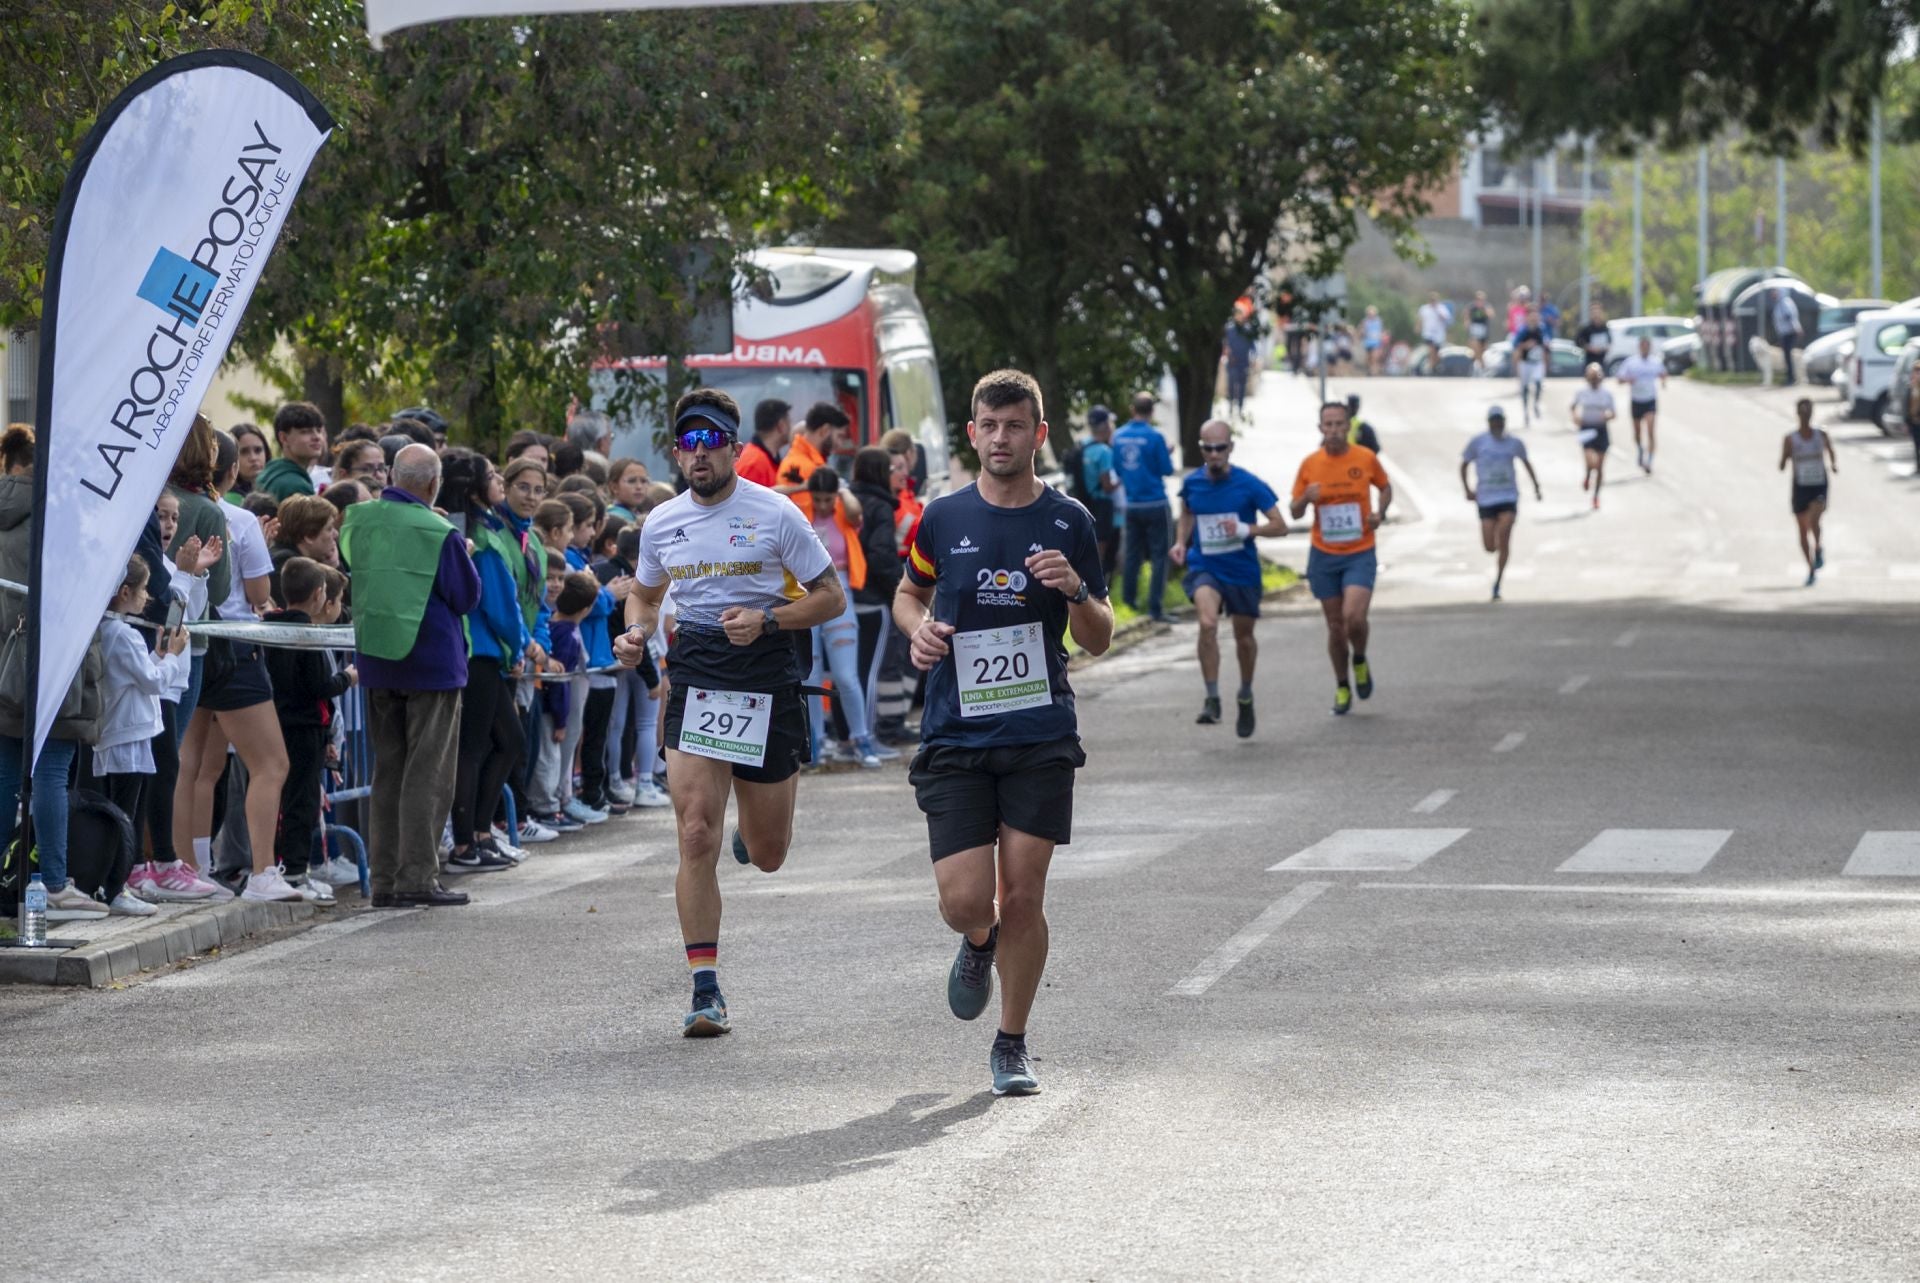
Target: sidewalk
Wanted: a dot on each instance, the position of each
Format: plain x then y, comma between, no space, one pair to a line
117,948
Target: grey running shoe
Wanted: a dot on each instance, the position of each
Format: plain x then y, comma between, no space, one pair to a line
970,979
1012,1069
1209,712
708,1019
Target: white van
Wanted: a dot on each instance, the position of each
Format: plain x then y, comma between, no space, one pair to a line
1878,338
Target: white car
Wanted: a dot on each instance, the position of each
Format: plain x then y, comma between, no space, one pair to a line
1878,338
1626,332
1822,358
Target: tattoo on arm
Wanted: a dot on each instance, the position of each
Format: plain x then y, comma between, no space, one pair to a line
819,582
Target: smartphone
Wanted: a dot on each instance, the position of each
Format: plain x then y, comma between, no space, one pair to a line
176,613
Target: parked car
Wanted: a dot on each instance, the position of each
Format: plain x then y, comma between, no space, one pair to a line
1682,352
1841,314
1892,419
1626,332
1827,354
1454,363
1878,338
1565,360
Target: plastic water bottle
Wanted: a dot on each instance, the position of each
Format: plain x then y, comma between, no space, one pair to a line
33,914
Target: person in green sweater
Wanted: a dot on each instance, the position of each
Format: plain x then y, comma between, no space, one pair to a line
302,435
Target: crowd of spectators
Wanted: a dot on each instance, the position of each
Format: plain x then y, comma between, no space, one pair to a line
483,596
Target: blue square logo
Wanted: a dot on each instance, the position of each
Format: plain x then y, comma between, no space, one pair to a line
178,285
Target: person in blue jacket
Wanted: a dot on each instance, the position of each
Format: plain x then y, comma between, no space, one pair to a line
492,743
1141,459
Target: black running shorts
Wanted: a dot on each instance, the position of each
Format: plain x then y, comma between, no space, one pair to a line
788,743
1804,497
968,793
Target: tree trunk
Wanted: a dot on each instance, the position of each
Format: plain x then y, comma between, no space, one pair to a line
1194,377
485,415
322,385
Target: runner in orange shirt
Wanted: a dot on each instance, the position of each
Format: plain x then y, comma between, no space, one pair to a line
1338,480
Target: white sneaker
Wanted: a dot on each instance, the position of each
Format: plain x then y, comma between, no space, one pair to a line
130,905
446,841
575,809
313,891
531,831
649,796
622,790
515,853
71,904
270,884
339,872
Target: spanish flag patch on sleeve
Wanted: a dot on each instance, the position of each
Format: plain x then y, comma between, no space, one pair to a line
920,562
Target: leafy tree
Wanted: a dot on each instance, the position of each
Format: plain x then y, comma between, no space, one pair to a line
1115,173
1680,71
504,203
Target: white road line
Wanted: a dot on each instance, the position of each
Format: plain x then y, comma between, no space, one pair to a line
1434,801
1674,892
1247,939
1628,638
1573,684
1885,854
1373,850
1648,851
1511,741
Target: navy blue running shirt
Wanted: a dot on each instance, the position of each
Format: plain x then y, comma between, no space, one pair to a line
974,556
1239,495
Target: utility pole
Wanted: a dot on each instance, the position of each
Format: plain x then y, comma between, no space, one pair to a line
1586,233
1535,184
1780,211
1701,230
1639,293
1874,288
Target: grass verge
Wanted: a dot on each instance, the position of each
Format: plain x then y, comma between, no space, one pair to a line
1272,579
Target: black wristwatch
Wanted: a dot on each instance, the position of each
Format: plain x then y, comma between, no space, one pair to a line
769,626
1081,596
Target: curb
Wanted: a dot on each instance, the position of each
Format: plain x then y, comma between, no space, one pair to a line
1138,630
126,955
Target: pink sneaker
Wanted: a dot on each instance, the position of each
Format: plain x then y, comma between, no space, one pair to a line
176,881
143,881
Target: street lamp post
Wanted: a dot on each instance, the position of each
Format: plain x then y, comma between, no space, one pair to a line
1701,227
1874,216
1780,211
1639,292
1586,235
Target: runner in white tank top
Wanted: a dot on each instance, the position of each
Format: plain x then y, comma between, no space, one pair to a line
1810,453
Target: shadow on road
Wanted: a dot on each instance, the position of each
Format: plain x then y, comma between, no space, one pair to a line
805,1158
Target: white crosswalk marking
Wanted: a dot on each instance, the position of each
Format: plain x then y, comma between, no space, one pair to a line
1247,939
1434,801
1648,851
1373,850
1885,855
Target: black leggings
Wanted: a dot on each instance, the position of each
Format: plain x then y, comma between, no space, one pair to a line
491,745
593,747
156,804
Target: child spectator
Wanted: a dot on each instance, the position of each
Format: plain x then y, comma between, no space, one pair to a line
304,687
122,760
636,690
166,877
597,690
551,789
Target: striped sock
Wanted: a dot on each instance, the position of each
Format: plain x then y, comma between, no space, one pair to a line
704,960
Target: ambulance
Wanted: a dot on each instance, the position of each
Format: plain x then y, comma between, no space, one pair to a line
835,325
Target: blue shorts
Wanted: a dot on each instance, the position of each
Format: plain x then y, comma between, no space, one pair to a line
1330,574
1235,599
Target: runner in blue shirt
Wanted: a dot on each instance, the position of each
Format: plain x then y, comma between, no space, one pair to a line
1492,455
998,572
1222,508
1141,459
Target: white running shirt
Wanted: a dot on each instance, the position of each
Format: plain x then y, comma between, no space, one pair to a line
754,550
1593,404
251,560
1646,373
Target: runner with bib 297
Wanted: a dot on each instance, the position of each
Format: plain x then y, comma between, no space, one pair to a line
999,571
737,555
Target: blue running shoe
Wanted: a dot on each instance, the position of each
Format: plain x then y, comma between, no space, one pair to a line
970,979
1819,558
740,848
708,1019
1012,1069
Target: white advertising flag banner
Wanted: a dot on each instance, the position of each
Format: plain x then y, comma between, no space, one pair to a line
384,16
169,213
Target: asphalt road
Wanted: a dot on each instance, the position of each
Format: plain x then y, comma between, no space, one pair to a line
1585,949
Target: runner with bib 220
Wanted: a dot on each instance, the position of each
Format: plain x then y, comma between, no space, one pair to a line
1338,480
737,554
998,572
